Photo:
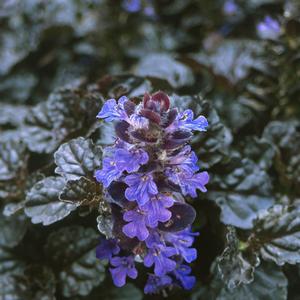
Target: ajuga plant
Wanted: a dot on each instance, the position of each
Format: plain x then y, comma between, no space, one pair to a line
147,174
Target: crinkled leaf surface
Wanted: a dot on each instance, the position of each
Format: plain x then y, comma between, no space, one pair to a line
65,112
13,164
77,158
164,66
277,234
232,59
42,202
269,283
241,191
73,251
13,229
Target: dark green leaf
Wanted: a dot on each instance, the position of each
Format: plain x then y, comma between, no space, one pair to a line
234,265
12,114
81,191
72,250
164,66
13,164
232,59
127,292
13,229
65,112
77,158
286,138
42,202
269,283
242,190
276,234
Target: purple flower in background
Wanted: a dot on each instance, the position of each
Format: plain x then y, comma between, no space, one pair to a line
141,175
156,283
132,6
107,249
137,224
113,110
157,210
159,255
269,28
124,266
182,274
230,8
141,188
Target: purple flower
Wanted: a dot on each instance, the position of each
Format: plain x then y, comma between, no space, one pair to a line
185,159
109,172
269,28
107,249
132,6
130,160
230,8
124,266
182,274
186,121
182,241
112,110
156,210
156,283
138,122
187,181
159,256
137,224
141,188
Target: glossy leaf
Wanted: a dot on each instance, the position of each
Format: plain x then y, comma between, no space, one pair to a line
77,158
42,202
72,250
277,234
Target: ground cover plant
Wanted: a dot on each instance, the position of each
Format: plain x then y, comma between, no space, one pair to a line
149,149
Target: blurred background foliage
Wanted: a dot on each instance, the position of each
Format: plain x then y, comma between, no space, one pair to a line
60,59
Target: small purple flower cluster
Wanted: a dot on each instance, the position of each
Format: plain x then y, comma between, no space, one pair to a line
269,28
134,6
146,173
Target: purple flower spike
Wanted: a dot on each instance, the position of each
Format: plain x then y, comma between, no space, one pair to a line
136,227
109,172
186,121
157,210
143,174
107,249
141,188
182,274
131,160
159,256
112,110
124,266
155,284
269,28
